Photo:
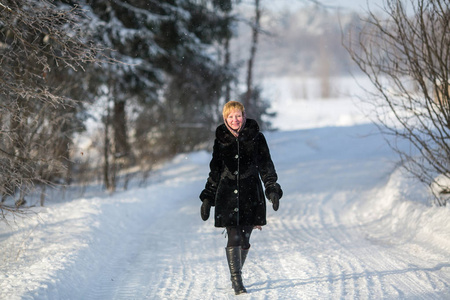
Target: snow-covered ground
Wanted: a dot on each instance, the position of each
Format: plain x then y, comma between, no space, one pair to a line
351,225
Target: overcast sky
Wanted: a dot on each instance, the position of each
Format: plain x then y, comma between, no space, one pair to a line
360,5
354,4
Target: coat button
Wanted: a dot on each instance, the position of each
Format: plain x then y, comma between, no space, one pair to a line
236,209
237,156
235,191
236,172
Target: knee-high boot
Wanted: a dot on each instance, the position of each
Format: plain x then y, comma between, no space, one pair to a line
244,253
234,263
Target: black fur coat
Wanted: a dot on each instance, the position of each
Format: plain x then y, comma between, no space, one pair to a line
236,169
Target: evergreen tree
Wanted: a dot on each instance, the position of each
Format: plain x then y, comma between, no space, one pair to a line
167,72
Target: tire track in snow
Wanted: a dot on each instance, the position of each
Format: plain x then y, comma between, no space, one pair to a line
333,266
387,268
317,225
300,246
286,242
157,262
334,260
343,239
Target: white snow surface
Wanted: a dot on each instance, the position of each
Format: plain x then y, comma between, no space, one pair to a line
351,225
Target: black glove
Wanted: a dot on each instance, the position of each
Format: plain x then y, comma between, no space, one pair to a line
205,209
275,199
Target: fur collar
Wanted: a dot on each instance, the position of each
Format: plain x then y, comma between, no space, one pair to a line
250,131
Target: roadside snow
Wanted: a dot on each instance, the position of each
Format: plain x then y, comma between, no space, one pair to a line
351,225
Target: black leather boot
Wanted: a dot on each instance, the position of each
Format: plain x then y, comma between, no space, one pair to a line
244,253
234,263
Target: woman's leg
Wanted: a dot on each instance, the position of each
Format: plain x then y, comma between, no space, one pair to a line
246,232
234,257
239,236
234,236
245,243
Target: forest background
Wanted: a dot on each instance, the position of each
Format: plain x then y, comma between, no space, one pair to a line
99,91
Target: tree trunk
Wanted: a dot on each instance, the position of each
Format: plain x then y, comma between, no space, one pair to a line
227,67
324,70
120,129
251,60
106,146
44,187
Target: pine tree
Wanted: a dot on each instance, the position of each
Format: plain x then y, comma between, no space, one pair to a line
167,71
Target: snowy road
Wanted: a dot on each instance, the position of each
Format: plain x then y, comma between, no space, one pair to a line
348,228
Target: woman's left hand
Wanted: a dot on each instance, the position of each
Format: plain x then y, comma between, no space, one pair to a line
257,227
275,199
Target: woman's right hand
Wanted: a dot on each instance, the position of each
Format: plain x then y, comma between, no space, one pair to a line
205,210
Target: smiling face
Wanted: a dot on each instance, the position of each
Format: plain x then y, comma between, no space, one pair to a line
235,119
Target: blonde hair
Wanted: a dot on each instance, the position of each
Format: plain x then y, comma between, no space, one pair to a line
230,106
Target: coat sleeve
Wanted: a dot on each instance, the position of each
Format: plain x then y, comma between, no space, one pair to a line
267,169
215,167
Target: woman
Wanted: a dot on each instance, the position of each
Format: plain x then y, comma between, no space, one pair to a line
240,158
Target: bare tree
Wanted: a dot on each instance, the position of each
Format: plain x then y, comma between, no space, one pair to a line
405,52
256,105
42,48
251,61
324,70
